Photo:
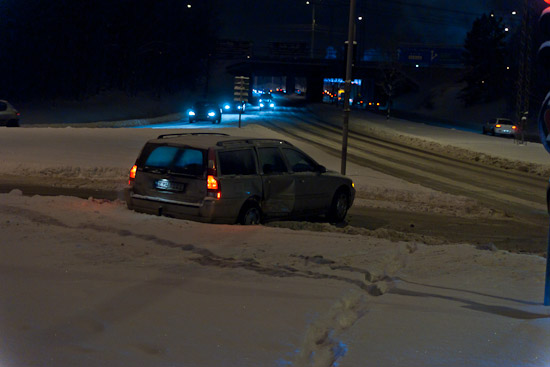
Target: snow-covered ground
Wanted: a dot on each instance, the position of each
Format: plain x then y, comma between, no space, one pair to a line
90,283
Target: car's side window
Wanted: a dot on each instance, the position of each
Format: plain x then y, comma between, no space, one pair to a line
298,161
237,162
271,160
3,106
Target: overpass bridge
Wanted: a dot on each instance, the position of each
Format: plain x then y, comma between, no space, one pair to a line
313,70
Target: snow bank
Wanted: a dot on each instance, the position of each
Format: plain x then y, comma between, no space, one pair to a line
92,283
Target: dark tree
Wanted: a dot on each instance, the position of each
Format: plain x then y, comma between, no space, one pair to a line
485,59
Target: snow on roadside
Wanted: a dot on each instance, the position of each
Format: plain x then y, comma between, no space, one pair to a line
92,283
101,158
486,150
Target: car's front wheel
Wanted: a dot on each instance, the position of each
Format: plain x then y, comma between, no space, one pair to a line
339,207
250,214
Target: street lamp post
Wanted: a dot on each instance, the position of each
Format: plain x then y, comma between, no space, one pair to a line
313,24
347,85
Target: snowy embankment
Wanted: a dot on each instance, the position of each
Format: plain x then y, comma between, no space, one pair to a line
90,283
501,152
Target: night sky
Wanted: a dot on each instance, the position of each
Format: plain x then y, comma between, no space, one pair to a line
386,23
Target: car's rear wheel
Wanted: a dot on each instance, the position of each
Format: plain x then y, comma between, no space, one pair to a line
339,207
250,214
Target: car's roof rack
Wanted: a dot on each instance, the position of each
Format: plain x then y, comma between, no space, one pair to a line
163,136
252,141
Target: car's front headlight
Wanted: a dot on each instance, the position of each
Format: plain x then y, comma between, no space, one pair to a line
261,104
191,113
227,106
211,114
272,105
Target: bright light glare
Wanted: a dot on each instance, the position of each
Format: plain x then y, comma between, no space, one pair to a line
211,114
188,6
191,113
227,106
261,105
272,105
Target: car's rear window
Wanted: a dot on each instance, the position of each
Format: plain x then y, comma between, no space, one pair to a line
187,161
3,106
237,162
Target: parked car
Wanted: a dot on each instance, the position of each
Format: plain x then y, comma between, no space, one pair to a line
234,107
500,126
266,102
9,116
207,111
214,177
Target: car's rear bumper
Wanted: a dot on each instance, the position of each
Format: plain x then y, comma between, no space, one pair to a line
504,131
209,210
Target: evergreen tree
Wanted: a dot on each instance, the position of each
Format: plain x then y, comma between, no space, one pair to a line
485,59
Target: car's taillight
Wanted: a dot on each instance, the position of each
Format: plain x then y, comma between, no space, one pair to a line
132,175
514,127
497,125
212,185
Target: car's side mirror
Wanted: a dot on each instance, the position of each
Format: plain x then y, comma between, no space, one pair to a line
321,169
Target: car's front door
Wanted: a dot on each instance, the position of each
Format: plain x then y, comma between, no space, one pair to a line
312,189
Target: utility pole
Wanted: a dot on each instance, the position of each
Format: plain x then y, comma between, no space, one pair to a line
347,85
524,67
313,24
312,51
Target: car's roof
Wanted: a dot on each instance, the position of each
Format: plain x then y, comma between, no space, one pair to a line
208,140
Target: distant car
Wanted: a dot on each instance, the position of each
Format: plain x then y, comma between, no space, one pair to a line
266,102
499,126
9,116
206,111
234,107
214,177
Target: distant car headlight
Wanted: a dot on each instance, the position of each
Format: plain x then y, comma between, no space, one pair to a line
239,107
260,99
272,105
211,114
261,105
191,113
226,106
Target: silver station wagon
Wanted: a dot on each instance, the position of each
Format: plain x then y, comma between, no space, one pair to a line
212,177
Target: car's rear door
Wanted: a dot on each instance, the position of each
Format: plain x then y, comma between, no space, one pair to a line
279,190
